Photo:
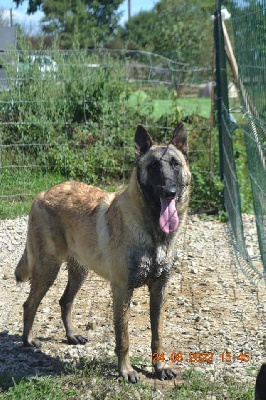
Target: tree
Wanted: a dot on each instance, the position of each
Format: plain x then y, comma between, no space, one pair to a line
176,29
139,31
84,21
34,5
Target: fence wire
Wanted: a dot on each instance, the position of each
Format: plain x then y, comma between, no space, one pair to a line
248,35
73,114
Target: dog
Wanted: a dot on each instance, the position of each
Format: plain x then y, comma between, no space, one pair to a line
260,387
128,237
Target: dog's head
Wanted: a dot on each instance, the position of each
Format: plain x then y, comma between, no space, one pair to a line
163,175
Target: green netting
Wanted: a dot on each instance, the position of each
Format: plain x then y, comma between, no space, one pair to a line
248,34
249,27
256,150
231,187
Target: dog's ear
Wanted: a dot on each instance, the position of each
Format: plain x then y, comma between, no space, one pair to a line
179,139
143,140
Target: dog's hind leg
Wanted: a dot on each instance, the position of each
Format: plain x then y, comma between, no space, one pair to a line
76,276
41,280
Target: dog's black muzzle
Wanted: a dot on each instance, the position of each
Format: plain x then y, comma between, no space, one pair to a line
167,192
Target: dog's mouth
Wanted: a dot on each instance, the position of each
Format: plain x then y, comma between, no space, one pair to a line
169,220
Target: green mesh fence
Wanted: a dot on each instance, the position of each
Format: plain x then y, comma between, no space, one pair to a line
248,34
256,150
72,115
249,26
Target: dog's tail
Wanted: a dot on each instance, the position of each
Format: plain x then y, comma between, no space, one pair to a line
22,272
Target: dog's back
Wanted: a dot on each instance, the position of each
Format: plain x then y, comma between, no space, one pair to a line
56,225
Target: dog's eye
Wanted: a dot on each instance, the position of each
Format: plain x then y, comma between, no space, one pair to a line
175,164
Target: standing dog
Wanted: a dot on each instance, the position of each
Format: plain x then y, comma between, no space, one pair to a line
129,238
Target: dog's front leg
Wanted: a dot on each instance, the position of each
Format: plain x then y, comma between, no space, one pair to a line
157,295
121,302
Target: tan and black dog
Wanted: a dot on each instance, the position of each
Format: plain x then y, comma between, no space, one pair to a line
129,237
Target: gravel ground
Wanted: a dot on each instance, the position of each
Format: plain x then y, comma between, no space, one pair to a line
211,307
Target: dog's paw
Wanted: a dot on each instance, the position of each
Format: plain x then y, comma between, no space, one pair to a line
131,376
32,343
76,339
165,374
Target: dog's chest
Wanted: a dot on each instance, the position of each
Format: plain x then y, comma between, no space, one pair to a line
145,265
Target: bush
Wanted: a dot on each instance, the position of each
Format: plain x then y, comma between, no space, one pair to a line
79,121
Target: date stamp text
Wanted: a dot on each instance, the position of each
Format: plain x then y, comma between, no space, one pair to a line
200,357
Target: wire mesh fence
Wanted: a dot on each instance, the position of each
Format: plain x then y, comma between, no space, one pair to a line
73,114
248,67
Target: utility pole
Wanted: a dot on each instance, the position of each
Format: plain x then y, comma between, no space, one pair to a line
11,17
129,9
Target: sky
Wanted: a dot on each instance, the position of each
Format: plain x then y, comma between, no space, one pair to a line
31,22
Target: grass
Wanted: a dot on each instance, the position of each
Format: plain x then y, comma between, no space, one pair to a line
189,106
27,183
38,389
199,386
97,379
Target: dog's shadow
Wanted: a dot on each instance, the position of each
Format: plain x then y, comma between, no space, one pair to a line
17,362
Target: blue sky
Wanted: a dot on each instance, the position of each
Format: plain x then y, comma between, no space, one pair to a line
31,22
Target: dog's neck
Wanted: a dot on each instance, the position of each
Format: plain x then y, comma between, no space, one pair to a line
136,193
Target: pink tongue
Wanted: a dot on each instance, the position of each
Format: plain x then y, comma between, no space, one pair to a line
168,219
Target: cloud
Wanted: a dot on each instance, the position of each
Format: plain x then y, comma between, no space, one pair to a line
31,23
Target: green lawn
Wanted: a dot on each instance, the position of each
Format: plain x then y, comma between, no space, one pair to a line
25,183
97,379
188,105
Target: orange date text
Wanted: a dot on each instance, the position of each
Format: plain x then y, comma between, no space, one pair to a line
200,357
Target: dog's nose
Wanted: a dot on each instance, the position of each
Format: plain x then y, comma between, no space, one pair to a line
169,192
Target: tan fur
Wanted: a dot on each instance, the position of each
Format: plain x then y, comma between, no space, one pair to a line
92,229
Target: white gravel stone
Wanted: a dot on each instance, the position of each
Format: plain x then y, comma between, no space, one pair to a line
211,307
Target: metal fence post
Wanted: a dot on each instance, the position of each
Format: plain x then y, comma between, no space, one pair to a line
222,103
